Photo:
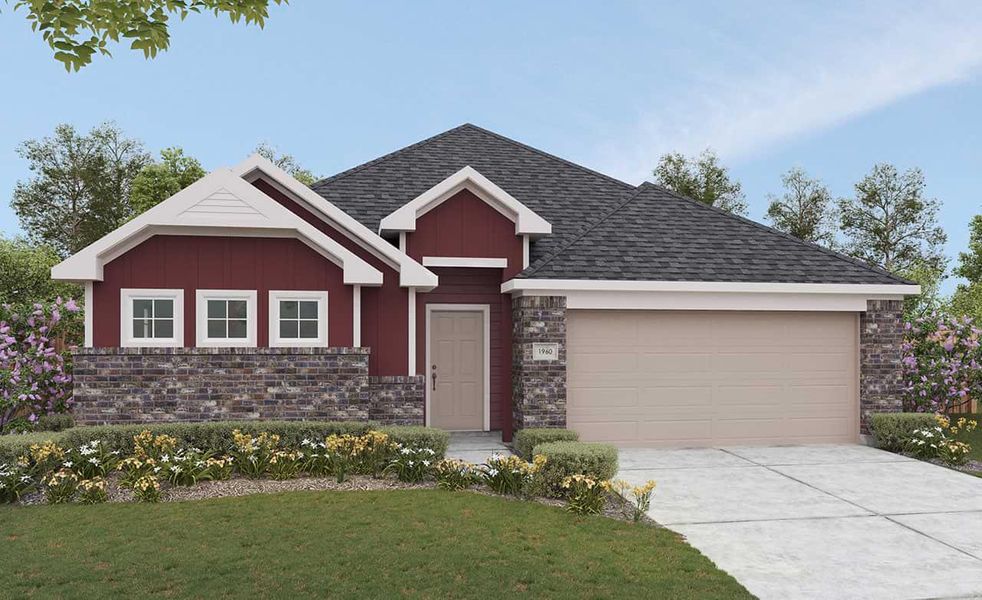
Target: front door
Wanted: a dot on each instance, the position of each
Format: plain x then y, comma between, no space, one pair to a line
457,377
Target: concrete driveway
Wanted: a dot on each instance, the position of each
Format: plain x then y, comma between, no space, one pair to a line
821,521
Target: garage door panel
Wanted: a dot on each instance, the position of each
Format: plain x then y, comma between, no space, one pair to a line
740,378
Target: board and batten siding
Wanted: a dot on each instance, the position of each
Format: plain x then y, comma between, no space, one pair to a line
211,262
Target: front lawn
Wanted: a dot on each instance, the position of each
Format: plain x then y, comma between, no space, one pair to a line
381,544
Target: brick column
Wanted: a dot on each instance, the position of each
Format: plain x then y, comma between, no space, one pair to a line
880,379
538,386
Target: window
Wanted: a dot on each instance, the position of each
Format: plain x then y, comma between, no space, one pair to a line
226,318
297,318
151,317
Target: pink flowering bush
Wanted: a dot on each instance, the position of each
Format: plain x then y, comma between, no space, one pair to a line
941,358
35,375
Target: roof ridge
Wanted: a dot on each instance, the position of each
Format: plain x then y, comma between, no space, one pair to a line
387,156
783,234
545,154
575,238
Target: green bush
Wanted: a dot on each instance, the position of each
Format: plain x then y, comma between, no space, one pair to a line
15,445
597,461
526,440
217,436
54,422
421,437
891,431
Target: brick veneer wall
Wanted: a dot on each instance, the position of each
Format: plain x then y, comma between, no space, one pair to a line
397,400
538,387
155,385
880,379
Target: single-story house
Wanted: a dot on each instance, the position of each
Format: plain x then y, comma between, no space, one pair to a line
471,282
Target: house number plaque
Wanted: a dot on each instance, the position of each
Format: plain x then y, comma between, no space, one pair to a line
545,351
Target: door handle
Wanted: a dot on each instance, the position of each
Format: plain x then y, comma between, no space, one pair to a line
433,376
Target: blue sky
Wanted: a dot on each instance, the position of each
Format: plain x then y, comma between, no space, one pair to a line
830,87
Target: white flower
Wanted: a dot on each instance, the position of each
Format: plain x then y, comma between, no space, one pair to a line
156,469
406,451
492,472
429,451
68,464
410,463
426,463
94,461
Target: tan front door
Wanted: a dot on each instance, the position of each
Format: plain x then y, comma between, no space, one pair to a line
456,383
702,378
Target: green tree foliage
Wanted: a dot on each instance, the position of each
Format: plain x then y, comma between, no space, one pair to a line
967,299
286,162
80,187
891,224
702,178
77,29
158,181
928,275
26,273
805,209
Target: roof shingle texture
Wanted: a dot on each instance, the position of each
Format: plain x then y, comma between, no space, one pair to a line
602,228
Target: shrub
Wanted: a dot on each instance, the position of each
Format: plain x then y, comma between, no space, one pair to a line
935,442
92,460
414,436
186,467
252,454
891,431
35,377
941,363
285,464
454,474
585,495
563,459
54,422
412,464
15,445
526,440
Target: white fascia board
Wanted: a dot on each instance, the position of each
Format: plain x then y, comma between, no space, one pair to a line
219,202
411,273
560,286
463,261
527,222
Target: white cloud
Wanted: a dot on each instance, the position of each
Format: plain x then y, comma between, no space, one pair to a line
837,68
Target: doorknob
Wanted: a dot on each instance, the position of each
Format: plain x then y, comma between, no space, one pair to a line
433,376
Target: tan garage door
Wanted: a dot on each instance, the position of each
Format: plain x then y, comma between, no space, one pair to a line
694,378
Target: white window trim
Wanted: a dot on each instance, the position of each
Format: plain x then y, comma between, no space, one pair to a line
463,261
275,296
126,297
201,317
485,310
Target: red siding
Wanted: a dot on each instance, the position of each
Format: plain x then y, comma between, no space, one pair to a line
204,262
384,310
464,225
477,286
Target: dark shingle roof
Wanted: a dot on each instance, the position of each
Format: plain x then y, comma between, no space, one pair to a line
659,235
567,195
603,228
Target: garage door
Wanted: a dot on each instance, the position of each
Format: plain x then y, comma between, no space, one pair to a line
693,378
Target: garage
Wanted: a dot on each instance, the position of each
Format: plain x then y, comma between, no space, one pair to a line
709,378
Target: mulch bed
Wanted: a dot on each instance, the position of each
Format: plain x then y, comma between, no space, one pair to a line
616,507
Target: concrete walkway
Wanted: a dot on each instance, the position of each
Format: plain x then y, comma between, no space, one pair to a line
476,447
821,521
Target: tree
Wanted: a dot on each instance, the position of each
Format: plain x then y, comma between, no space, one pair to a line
287,163
76,29
81,186
27,274
702,178
804,210
891,224
158,181
967,298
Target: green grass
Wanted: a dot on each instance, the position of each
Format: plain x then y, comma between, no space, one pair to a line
388,544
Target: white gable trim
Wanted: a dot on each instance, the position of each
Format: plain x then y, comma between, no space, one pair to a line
708,295
221,203
526,221
411,273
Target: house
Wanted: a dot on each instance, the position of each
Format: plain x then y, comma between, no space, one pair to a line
471,282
